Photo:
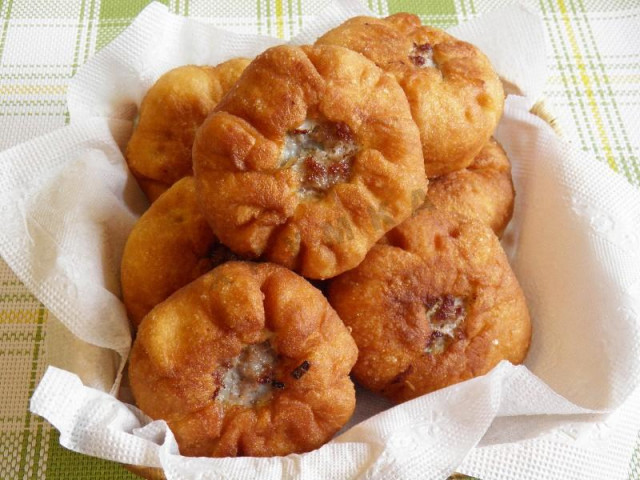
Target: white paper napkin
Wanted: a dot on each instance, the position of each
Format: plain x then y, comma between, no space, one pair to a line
113,83
68,204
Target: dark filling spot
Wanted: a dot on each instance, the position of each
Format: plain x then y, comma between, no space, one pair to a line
423,48
421,55
300,370
322,153
217,380
319,176
445,314
417,60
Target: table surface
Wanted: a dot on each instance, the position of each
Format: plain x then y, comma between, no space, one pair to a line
593,87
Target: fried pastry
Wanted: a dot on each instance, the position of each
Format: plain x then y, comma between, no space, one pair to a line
159,152
436,305
309,160
456,97
483,190
247,360
171,245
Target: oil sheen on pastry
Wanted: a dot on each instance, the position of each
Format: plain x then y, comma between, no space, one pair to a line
435,305
455,95
247,360
171,245
159,152
483,190
309,160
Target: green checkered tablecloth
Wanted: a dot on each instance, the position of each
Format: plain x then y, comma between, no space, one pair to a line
593,87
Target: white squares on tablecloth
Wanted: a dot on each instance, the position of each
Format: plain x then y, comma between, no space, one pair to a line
607,5
46,9
621,42
34,45
630,113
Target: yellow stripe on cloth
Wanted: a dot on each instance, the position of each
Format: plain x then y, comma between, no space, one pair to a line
33,89
587,85
18,316
279,19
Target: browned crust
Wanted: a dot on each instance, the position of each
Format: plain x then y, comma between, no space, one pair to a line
484,190
456,105
383,301
187,338
159,152
168,247
252,203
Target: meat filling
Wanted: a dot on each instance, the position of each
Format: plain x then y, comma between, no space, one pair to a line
422,55
321,154
250,376
445,315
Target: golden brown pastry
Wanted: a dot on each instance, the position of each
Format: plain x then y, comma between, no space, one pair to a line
159,152
436,305
483,190
309,160
171,245
455,95
247,360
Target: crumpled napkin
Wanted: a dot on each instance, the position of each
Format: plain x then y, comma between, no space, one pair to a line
68,204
